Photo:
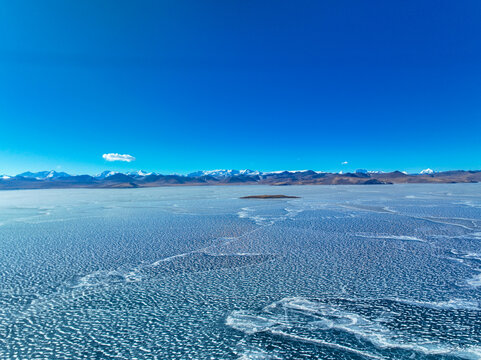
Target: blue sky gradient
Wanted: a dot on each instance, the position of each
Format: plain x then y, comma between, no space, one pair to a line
267,85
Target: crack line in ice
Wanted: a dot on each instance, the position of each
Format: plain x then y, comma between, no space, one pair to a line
393,237
332,316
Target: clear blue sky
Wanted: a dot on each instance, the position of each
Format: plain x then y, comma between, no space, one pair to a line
187,85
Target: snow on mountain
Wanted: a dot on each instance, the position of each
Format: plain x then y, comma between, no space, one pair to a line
42,175
223,173
249,172
219,173
53,175
289,171
106,173
139,173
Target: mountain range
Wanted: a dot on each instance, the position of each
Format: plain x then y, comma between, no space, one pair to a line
111,179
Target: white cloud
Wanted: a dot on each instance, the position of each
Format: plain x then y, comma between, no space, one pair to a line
344,163
118,157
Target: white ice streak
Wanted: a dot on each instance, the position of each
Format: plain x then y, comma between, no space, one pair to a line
475,281
250,324
253,353
333,317
390,237
326,343
464,259
267,220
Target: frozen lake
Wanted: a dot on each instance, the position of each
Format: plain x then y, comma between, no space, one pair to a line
344,272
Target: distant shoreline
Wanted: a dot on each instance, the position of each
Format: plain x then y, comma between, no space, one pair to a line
286,178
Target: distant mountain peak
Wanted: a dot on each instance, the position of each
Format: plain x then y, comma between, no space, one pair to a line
105,174
118,177
290,172
42,175
115,179
140,173
223,173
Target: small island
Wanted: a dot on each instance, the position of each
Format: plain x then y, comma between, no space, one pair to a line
270,197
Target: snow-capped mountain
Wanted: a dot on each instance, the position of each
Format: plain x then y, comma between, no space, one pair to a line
136,174
249,172
140,173
288,171
364,171
105,174
223,173
134,179
42,175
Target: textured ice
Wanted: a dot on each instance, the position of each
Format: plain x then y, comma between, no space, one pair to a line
344,272
365,327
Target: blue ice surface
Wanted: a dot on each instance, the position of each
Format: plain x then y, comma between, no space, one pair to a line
343,272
